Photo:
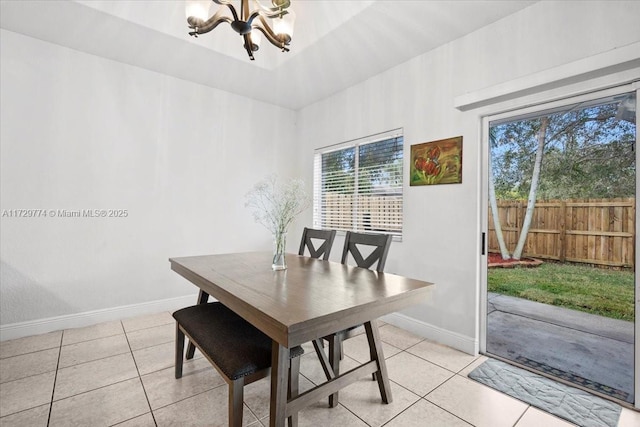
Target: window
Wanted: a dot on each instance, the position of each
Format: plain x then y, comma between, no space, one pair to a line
358,185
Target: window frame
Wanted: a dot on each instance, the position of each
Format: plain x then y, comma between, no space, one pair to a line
319,217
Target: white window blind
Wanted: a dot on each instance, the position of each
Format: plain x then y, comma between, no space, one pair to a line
358,185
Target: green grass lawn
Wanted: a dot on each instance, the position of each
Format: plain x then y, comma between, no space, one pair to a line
599,291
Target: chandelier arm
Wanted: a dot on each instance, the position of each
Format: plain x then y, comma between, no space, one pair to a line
272,38
269,12
244,10
233,11
248,45
275,13
203,27
272,12
267,30
253,16
229,4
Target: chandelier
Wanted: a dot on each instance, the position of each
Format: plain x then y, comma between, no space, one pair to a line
245,22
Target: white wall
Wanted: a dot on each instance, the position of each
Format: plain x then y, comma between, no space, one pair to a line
441,238
83,132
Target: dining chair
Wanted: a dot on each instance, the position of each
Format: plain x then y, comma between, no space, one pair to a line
240,352
380,243
353,242
309,235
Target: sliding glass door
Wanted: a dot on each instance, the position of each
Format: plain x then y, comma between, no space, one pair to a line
559,282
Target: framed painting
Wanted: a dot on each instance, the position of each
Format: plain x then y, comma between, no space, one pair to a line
436,162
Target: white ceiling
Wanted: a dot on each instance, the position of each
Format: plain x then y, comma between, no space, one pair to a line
336,43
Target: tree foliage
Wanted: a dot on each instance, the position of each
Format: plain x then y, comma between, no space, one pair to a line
587,153
379,165
583,152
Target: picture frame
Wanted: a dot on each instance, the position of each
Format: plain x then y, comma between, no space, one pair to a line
436,162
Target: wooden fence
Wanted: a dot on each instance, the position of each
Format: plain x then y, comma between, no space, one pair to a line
373,213
591,231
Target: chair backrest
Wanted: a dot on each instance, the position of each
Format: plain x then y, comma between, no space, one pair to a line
381,242
324,249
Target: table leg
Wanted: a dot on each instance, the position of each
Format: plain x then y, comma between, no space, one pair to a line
335,345
375,347
203,297
279,384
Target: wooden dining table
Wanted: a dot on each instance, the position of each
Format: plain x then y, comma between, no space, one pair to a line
309,300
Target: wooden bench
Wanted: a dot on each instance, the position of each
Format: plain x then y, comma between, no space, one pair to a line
239,351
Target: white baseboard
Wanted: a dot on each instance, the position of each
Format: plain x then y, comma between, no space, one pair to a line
43,326
78,320
433,333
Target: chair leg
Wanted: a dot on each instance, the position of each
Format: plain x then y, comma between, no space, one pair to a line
179,351
293,389
322,357
191,350
334,359
236,391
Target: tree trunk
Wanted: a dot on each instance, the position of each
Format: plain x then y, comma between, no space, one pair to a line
531,202
494,213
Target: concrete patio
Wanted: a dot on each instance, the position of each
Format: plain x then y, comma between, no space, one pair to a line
595,348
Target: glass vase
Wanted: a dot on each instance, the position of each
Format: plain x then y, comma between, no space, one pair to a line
279,246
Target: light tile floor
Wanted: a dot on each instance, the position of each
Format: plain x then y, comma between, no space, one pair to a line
121,373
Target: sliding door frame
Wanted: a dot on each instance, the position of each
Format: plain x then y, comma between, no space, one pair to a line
484,205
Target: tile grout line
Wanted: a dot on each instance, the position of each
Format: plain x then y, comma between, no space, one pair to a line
27,353
87,391
144,390
354,414
435,363
32,375
428,401
402,412
505,394
55,378
440,407
92,339
430,391
95,360
252,413
410,391
189,397
144,329
521,415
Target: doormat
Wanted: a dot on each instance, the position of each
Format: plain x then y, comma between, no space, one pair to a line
570,403
576,379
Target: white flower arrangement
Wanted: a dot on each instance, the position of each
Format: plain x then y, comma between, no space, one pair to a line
275,206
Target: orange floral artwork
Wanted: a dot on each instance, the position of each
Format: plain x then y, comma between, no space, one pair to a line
436,162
